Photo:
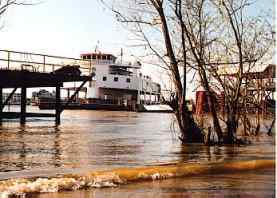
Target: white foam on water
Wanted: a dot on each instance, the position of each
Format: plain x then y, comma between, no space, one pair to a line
54,185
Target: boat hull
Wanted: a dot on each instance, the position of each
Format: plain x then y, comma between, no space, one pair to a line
109,107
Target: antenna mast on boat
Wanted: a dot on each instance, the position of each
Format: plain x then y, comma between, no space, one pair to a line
121,55
97,46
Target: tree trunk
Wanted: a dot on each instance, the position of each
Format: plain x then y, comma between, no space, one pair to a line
190,132
257,130
269,132
231,127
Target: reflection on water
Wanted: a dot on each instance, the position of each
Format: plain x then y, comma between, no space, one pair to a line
102,139
87,139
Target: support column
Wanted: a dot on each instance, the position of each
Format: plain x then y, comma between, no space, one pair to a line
23,105
138,94
138,97
58,105
1,104
68,93
144,98
77,97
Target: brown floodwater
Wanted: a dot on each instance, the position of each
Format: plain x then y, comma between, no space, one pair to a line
103,140
240,185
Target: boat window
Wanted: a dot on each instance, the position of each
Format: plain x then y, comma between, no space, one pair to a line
93,56
115,79
104,78
128,80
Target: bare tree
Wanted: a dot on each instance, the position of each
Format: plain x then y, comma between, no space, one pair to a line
247,40
204,36
6,4
198,28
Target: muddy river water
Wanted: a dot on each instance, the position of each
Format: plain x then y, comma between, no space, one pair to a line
102,140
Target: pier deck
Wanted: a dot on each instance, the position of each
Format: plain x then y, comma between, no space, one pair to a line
22,70
14,78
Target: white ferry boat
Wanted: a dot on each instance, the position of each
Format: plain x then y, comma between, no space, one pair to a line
115,86
119,86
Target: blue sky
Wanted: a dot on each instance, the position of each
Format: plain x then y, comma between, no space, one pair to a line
62,27
69,27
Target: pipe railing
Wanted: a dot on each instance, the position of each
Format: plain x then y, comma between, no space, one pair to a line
17,60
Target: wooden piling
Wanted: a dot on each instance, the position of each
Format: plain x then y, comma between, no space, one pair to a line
68,94
1,104
58,105
23,103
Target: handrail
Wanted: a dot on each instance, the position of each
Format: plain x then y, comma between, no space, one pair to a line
38,54
42,61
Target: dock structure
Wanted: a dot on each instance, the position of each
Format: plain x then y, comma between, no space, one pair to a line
260,89
257,90
23,70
